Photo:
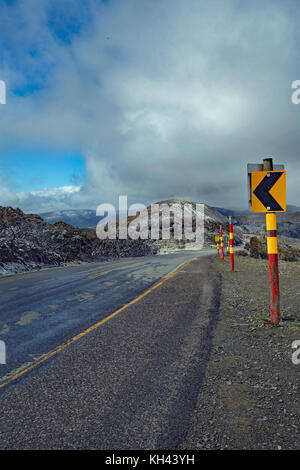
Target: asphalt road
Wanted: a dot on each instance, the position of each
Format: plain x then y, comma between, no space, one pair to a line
131,383
43,309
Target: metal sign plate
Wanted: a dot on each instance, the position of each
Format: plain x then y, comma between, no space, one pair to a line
251,167
268,191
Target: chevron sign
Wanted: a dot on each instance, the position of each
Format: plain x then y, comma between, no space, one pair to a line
268,191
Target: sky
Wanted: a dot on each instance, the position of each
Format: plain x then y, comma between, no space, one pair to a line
152,99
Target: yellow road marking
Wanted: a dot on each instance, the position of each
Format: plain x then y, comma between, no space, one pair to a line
46,356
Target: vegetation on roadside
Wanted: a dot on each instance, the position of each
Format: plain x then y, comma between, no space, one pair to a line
257,248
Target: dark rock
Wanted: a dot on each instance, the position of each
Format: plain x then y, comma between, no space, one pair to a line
28,242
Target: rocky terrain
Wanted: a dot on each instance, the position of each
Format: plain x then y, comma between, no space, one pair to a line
256,247
28,242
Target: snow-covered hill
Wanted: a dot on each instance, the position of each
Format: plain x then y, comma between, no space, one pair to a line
149,221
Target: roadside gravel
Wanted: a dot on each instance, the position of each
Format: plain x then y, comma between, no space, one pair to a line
250,397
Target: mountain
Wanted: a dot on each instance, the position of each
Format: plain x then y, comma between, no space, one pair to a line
87,218
80,218
212,221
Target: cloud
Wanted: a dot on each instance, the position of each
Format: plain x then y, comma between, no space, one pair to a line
43,200
163,99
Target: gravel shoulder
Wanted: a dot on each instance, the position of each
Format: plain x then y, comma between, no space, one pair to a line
250,395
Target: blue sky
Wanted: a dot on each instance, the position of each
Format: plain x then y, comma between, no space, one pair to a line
30,170
151,100
38,168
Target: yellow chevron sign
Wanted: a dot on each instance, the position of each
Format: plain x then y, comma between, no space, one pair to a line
268,191
217,238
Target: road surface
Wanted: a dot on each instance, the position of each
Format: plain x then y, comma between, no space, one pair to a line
131,383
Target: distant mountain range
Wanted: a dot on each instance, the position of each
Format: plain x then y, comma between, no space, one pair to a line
85,218
290,209
80,218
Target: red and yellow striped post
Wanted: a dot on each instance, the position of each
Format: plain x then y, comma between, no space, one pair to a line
231,243
217,239
221,240
273,267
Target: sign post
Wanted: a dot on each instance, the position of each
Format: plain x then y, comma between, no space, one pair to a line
268,194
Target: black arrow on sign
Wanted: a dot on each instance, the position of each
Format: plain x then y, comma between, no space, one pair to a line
262,192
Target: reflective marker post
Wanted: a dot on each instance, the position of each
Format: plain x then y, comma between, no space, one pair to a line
273,268
221,240
231,243
217,239
267,191
272,249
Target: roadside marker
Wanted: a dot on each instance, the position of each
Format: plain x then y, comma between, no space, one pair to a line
273,268
217,239
231,243
221,239
268,194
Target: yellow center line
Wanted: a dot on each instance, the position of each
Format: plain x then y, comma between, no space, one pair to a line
44,357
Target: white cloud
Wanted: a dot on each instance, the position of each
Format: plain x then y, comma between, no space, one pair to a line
43,200
165,99
56,192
